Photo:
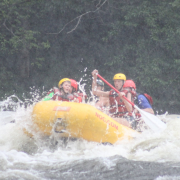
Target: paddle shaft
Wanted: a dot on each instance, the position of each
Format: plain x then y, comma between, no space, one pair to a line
115,89
152,121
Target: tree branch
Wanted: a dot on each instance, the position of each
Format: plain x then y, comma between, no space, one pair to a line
79,19
10,30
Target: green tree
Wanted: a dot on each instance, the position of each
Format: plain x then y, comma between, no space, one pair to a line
44,41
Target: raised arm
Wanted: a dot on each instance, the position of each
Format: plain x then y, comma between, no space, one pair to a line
94,86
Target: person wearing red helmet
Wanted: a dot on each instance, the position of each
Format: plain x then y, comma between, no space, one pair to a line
74,86
130,86
140,100
143,101
74,90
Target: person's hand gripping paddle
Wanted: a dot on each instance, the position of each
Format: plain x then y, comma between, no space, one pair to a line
151,120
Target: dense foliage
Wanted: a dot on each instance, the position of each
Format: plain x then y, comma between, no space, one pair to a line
42,41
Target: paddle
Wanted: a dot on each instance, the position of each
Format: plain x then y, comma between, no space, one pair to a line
151,120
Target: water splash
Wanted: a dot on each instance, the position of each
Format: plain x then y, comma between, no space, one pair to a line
147,146
10,103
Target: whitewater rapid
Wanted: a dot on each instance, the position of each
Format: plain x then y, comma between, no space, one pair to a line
38,157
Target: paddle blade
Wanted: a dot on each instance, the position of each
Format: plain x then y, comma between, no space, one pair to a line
152,121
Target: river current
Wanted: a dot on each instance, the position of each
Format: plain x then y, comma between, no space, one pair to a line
149,156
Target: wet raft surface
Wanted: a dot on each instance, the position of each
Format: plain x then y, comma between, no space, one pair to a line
115,167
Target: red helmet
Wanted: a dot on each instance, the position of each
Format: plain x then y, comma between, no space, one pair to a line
74,84
129,83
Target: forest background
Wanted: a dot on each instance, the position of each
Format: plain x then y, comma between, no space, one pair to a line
42,41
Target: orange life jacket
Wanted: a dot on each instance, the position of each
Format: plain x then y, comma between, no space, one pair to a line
117,106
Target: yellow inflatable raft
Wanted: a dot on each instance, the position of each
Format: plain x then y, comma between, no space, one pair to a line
78,120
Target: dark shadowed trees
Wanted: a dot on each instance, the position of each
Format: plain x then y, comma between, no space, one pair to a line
43,41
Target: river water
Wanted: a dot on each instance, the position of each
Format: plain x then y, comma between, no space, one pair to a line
149,156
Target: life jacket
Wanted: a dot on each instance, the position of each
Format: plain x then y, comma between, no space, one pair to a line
59,96
147,96
117,106
82,95
77,96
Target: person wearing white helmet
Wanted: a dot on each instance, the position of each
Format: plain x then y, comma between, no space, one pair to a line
102,102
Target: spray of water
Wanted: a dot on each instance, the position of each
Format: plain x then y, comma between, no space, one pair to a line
148,146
